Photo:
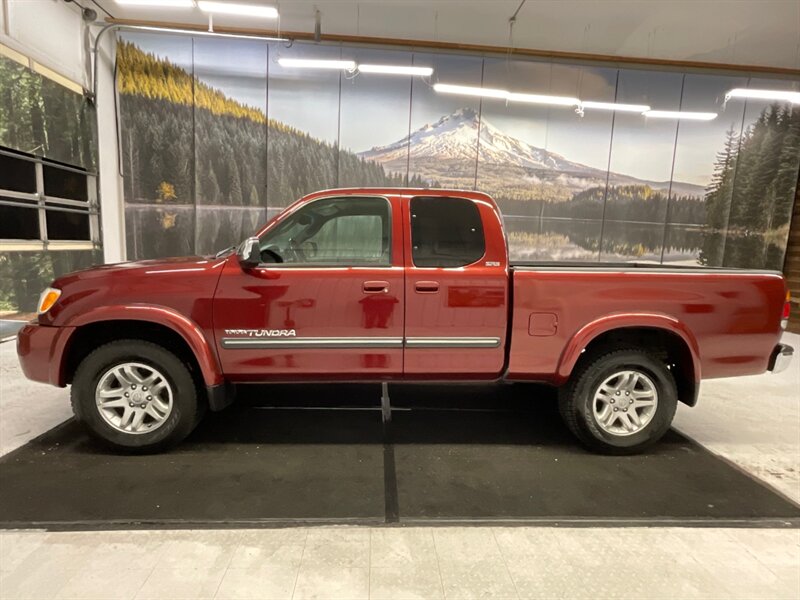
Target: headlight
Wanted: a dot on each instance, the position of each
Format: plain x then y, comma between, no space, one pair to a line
47,299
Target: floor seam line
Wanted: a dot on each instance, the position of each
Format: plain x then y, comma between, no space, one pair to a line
300,565
438,564
369,566
228,565
146,579
503,560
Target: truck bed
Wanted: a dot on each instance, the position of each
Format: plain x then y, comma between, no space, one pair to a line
730,317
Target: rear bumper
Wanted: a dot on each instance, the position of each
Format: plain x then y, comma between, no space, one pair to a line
781,358
41,351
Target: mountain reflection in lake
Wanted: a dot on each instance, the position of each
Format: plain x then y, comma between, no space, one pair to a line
552,239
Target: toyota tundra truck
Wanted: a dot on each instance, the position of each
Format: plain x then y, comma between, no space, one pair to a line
397,285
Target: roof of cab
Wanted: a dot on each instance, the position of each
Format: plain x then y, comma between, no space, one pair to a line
400,191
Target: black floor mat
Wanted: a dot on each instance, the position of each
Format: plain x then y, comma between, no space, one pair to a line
449,453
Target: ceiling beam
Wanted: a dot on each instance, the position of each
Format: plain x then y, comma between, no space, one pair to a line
477,48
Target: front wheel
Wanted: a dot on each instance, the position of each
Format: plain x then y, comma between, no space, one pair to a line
620,402
135,395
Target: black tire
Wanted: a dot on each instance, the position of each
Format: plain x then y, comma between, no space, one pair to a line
576,400
186,411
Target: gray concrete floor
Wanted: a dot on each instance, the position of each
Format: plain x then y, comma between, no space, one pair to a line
753,422
445,562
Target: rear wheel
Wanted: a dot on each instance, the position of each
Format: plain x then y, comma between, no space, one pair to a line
136,396
620,402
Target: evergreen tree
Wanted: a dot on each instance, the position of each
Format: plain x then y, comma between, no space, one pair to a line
718,194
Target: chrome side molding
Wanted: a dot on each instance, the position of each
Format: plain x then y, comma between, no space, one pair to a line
359,342
313,342
452,342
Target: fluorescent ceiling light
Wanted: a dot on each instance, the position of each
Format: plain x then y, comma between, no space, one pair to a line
674,114
159,3
637,108
465,90
250,10
313,63
542,99
785,95
396,70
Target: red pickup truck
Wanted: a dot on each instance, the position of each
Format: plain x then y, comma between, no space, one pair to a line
400,285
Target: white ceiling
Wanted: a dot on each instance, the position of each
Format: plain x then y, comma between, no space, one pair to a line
744,32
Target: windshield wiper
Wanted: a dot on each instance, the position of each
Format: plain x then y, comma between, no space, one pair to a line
223,252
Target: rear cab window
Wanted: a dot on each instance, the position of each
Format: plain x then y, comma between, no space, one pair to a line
445,232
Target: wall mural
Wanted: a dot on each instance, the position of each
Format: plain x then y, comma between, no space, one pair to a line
217,136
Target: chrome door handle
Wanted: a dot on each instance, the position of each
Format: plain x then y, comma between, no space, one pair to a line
426,287
376,287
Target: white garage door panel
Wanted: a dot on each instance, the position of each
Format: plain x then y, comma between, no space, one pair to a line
52,30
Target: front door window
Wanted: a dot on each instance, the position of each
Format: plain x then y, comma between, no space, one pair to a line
352,231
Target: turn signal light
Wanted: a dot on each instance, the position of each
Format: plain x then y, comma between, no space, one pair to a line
47,299
786,310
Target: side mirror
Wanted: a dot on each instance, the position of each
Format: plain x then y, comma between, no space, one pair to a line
249,253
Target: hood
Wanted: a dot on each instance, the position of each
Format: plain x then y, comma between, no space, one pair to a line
185,285
181,264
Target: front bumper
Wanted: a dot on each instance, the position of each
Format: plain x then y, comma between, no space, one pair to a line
41,351
781,358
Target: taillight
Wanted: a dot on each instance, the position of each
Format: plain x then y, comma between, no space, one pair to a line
786,310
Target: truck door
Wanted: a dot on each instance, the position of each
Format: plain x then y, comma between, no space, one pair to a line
327,300
456,288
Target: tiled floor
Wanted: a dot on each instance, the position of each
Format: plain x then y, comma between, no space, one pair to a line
753,422
351,563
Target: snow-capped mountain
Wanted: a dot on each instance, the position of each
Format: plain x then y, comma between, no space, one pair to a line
437,149
455,137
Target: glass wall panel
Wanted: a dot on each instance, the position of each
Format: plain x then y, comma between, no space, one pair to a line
18,222
69,126
572,210
155,83
17,174
65,184
303,134
513,162
67,225
764,181
704,156
39,116
640,168
443,143
231,121
374,122
159,231
230,140
219,227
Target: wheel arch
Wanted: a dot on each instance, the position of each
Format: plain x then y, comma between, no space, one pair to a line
660,334
160,325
